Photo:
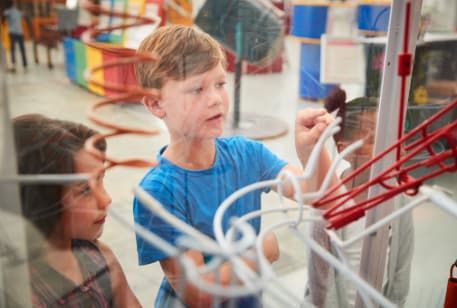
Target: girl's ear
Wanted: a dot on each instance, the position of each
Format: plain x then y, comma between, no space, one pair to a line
152,103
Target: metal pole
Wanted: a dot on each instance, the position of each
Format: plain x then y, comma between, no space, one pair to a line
238,72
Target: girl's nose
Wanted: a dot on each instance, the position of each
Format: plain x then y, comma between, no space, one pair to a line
103,198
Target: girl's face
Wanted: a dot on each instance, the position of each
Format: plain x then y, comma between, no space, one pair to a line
197,106
84,212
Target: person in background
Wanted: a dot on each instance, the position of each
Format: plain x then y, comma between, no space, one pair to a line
326,287
68,265
13,17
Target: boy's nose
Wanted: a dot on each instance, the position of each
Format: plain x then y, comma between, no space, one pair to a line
214,97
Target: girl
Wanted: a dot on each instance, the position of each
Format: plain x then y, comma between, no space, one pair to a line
68,265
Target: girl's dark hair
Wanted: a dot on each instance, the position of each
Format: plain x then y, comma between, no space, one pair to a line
47,146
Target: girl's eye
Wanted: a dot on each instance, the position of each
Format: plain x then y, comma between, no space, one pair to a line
85,190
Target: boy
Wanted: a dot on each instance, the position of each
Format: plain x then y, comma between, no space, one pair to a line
16,35
198,170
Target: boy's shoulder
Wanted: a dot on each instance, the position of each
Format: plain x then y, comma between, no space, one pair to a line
235,140
165,171
162,173
158,173
238,144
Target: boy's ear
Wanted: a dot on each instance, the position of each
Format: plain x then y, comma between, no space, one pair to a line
152,103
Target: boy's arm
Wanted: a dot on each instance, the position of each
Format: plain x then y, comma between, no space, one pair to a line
309,126
194,297
122,294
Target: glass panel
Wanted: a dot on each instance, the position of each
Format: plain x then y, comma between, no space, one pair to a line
274,54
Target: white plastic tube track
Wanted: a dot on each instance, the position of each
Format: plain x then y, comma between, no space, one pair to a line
441,199
329,131
45,178
154,206
375,226
191,271
218,232
217,220
244,273
281,295
265,268
426,193
340,255
309,169
266,271
207,243
325,184
361,285
145,234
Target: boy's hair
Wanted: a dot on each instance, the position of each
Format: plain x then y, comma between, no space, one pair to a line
47,146
182,51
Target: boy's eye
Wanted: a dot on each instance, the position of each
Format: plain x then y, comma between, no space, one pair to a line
220,84
196,90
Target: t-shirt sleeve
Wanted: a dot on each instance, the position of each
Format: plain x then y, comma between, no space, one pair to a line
269,164
148,252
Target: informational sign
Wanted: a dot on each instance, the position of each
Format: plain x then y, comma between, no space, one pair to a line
342,60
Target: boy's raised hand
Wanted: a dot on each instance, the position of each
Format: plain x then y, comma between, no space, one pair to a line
309,125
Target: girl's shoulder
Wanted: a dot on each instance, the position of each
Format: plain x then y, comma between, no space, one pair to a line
93,254
96,248
87,246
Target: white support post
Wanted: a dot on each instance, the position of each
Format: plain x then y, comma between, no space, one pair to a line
14,282
374,251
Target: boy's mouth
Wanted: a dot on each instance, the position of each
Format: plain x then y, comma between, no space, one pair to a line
216,117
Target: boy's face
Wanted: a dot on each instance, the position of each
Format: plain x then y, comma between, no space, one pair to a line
197,106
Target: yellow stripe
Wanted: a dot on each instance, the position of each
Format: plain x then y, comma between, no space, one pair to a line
371,33
375,2
94,58
323,3
306,40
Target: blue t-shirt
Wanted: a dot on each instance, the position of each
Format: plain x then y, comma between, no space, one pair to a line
14,16
194,196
